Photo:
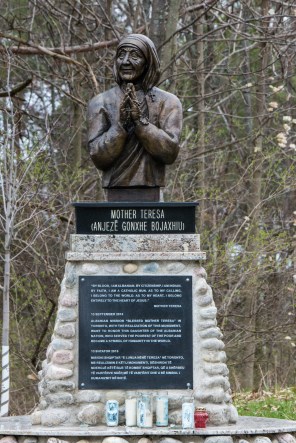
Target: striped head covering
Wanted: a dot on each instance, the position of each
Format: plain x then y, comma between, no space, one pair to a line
147,47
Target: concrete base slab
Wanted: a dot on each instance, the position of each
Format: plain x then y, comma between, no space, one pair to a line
245,426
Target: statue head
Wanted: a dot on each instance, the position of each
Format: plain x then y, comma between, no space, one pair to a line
137,61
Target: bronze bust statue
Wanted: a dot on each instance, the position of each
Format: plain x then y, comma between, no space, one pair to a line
134,128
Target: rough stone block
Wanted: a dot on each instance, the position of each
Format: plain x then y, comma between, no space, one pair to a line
70,281
58,344
175,417
49,353
60,399
91,415
211,333
227,386
208,313
175,268
42,403
60,386
213,344
205,300
201,286
116,395
206,324
215,381
216,395
41,387
88,396
57,373
114,439
67,314
110,268
145,440
200,272
130,268
121,415
90,269
28,440
262,439
54,417
8,439
219,439
56,440
62,357
228,398
44,364
169,440
36,418
69,299
151,268
214,356
66,330
176,400
233,414
285,438
218,414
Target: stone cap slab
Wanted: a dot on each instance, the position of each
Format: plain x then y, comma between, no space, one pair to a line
244,426
135,247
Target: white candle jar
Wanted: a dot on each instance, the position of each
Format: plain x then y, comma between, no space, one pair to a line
162,410
187,415
144,411
131,412
112,413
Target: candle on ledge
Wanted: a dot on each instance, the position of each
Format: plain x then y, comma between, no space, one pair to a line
112,413
187,414
131,412
144,411
162,410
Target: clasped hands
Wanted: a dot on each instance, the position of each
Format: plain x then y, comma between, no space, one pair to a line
130,109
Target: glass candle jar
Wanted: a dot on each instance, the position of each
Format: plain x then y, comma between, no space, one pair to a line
112,413
187,414
131,412
144,411
200,417
162,410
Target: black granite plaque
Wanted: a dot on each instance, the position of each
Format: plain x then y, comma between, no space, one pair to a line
135,218
135,332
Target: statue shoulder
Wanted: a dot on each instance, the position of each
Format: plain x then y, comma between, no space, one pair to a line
103,100
167,98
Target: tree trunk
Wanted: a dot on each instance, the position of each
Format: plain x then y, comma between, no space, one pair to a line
169,47
75,152
199,86
157,24
252,288
201,119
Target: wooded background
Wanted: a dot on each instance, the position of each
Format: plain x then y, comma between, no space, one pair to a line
232,64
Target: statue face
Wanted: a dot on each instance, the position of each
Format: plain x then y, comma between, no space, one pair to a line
130,63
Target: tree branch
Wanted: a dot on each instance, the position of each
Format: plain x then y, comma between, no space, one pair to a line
27,48
16,89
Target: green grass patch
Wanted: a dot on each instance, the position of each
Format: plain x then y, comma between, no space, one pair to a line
277,404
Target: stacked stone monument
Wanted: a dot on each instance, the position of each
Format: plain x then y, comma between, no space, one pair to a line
62,399
135,311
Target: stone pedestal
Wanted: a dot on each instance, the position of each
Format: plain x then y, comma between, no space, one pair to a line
61,402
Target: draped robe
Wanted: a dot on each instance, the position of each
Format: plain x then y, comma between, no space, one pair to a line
134,156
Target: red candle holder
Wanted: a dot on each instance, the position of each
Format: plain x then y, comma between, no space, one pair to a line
200,417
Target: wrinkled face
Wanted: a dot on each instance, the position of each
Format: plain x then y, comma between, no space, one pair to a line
130,63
